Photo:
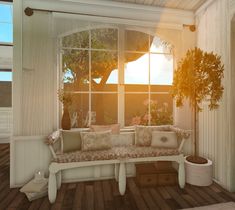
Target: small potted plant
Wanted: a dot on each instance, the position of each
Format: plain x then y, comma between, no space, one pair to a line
66,99
198,78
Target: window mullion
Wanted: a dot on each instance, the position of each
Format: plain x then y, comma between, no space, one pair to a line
149,87
121,87
89,51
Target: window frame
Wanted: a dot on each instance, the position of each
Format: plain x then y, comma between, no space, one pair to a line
121,93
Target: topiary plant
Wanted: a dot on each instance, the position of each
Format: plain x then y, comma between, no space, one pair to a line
198,78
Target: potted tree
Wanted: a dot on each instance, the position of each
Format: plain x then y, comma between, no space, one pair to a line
198,78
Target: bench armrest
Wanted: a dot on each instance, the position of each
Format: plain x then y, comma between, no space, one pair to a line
182,134
51,140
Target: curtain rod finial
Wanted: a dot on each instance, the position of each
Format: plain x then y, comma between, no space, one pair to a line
192,28
28,11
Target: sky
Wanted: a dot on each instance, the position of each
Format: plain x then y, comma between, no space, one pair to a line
6,33
6,26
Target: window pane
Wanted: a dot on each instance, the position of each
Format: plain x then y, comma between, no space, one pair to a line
136,41
104,108
79,110
102,65
136,68
136,110
161,69
76,40
6,13
76,69
6,32
160,46
161,109
5,76
104,38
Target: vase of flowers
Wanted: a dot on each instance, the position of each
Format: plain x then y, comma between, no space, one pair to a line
66,99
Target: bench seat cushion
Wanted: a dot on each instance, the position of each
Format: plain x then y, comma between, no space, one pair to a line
122,152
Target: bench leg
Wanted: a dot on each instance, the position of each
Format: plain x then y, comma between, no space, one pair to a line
122,178
116,170
52,190
181,175
58,179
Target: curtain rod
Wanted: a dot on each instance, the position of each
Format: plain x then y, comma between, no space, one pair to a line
29,12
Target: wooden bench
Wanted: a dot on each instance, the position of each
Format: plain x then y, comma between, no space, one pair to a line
117,155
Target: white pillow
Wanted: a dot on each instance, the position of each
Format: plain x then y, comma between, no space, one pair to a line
164,139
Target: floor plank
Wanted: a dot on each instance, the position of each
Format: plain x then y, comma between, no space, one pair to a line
104,195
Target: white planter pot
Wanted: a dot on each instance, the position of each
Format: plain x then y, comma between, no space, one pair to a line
198,174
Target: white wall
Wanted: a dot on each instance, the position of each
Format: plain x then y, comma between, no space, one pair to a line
5,124
35,79
216,140
6,54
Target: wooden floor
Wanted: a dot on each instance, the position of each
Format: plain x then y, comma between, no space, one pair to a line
101,195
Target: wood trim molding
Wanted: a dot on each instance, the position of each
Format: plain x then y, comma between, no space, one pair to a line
117,10
204,7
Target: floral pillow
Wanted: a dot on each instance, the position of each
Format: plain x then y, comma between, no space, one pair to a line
143,134
115,128
96,140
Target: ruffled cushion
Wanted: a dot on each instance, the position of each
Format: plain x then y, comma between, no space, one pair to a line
123,152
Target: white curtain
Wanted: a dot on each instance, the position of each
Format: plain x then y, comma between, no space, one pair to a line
214,126
39,75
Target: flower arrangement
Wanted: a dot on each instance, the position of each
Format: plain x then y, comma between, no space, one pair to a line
64,97
157,115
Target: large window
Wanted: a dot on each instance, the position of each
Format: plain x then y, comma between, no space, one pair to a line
117,74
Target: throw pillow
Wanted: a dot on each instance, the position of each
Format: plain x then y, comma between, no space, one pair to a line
71,141
96,140
123,139
143,134
115,128
164,139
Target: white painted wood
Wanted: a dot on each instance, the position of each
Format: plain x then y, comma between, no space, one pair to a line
112,9
58,179
216,128
122,178
5,124
97,171
52,189
17,66
116,171
29,154
198,174
6,55
176,4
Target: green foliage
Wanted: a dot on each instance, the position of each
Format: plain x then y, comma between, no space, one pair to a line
198,78
77,60
158,115
64,97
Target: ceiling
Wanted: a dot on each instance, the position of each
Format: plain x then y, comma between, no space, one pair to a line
191,5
